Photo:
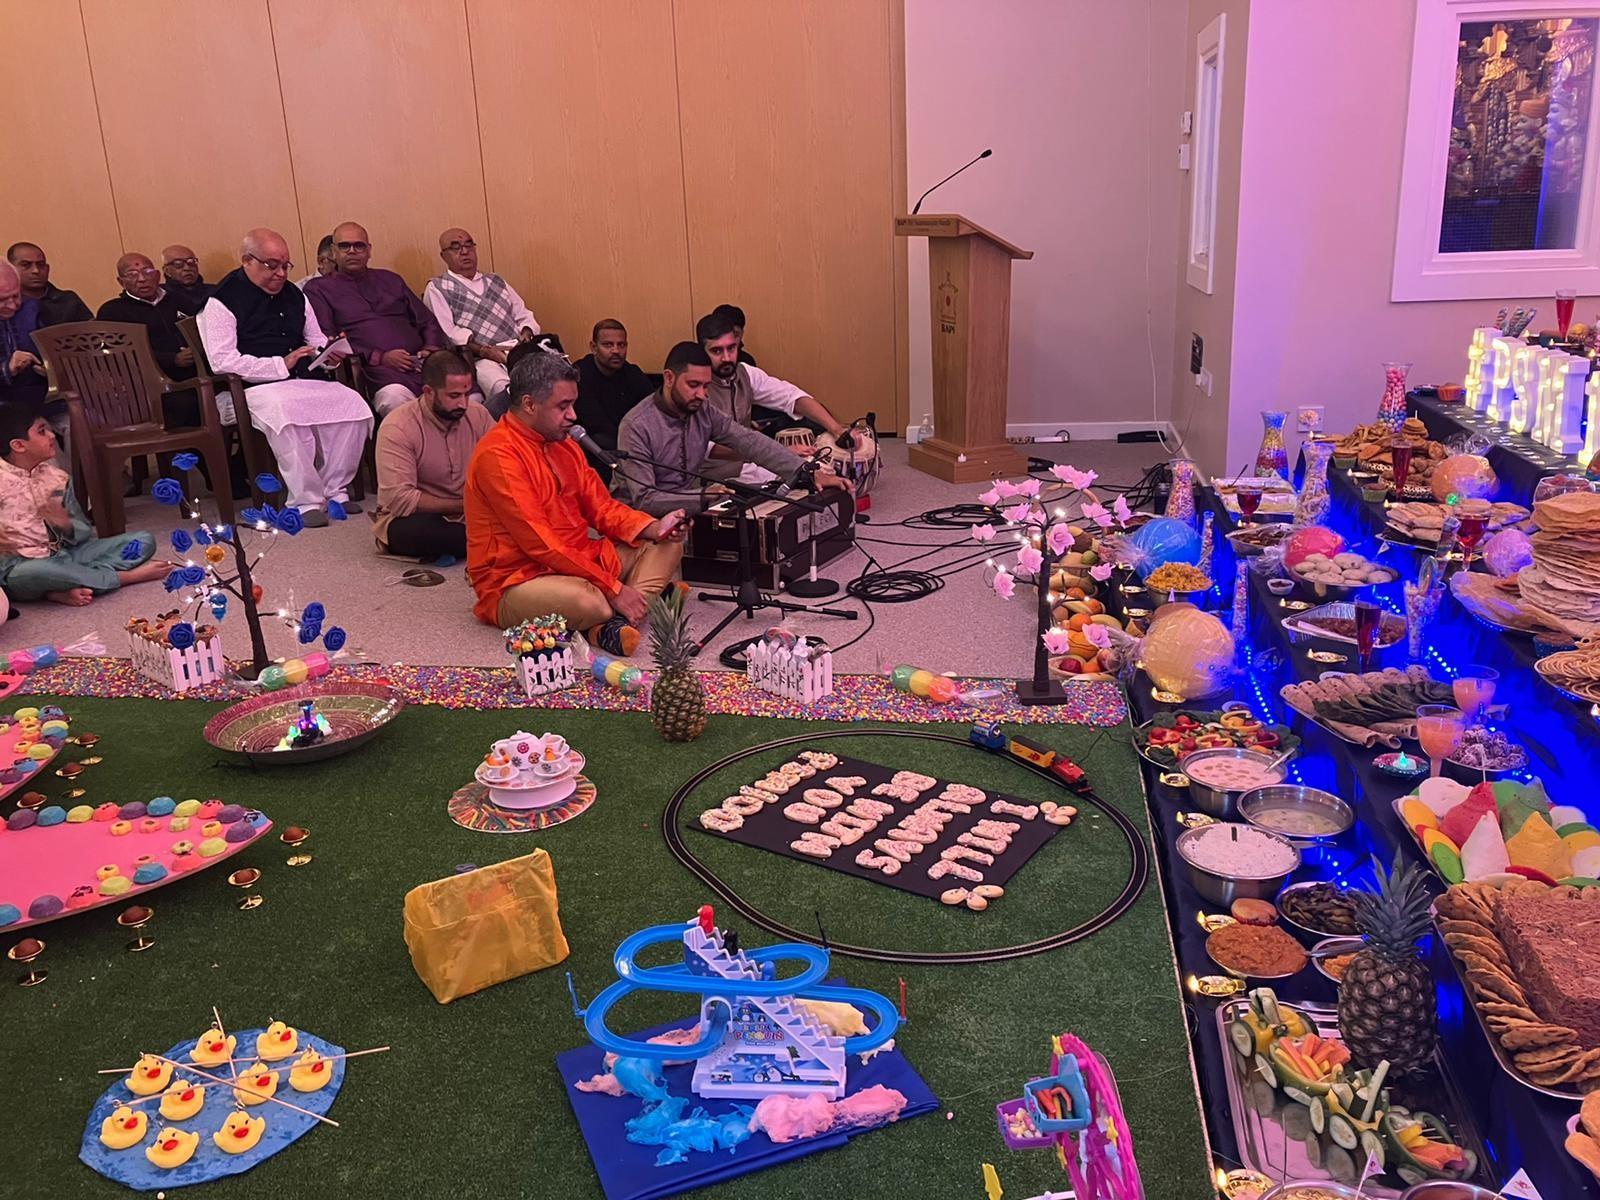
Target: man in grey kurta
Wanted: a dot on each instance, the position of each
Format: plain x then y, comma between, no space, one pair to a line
669,433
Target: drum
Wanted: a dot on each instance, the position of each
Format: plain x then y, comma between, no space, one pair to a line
859,463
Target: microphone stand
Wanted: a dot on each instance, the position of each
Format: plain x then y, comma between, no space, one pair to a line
745,595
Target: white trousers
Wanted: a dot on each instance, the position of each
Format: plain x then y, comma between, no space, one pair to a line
390,397
492,378
319,461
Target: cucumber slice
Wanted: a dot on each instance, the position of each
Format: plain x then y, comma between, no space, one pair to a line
1296,1122
1263,1097
1243,1038
1342,1131
1411,1175
1345,1094
1471,1169
1315,1149
1339,1163
1372,1144
1297,1095
1319,1114
1266,1070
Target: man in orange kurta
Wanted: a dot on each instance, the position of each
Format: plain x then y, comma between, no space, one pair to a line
531,500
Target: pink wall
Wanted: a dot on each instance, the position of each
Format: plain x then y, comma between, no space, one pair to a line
1319,191
1079,101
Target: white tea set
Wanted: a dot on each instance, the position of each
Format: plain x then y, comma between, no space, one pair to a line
528,771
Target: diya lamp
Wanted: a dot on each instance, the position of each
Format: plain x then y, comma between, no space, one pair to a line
137,916
1401,765
25,951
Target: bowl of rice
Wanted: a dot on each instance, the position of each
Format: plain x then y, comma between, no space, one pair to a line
1229,860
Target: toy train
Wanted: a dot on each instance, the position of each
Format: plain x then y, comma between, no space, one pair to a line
988,735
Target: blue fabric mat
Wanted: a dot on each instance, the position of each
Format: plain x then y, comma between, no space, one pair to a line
628,1171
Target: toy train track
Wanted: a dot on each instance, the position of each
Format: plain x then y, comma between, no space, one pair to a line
1138,874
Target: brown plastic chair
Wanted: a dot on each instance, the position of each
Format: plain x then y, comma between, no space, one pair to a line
108,377
258,456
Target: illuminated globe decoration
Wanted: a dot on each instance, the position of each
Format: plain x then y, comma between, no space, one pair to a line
1187,652
1507,552
1314,539
1163,540
1464,477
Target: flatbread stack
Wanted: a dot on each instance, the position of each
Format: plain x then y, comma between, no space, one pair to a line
1380,706
1564,581
1424,522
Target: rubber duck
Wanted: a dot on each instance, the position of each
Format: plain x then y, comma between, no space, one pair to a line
260,1082
310,1072
240,1132
278,1042
123,1128
211,1048
182,1100
172,1148
149,1076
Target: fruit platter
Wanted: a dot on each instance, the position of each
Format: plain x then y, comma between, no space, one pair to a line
1167,737
1494,831
1301,1106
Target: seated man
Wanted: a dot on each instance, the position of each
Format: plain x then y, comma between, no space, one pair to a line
180,267
144,301
387,325
21,369
667,437
259,327
478,311
325,265
608,386
736,314
423,451
56,306
532,499
48,550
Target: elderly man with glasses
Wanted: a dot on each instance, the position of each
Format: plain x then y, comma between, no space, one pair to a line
387,325
143,301
258,326
478,311
180,272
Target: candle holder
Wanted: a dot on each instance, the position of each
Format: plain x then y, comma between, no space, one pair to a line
137,916
25,951
1401,765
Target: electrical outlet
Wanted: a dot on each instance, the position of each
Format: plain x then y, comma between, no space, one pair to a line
1197,353
1202,380
1183,157
1308,418
1186,123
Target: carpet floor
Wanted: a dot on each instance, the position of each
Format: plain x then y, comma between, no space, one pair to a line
962,629
468,1103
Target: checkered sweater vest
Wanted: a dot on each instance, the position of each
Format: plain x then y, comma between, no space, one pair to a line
488,316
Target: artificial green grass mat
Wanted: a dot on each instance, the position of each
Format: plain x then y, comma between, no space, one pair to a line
468,1104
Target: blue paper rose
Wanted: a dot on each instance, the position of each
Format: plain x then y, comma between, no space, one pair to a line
252,515
132,551
336,511
181,635
219,605
310,631
222,533
167,491
268,483
187,460
173,581
202,535
334,638
181,541
314,613
192,575
290,521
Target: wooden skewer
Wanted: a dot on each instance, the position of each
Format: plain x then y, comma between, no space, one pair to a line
272,1065
220,1029
247,1090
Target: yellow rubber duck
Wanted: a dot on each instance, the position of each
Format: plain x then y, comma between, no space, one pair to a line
172,1148
240,1132
310,1072
278,1042
123,1128
182,1100
211,1048
261,1083
149,1076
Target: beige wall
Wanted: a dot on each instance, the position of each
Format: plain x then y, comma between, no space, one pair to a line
645,160
1080,102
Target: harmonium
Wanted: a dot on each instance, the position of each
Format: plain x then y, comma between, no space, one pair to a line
782,539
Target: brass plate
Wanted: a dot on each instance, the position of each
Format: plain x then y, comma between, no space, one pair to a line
1211,922
1166,697
250,902
298,860
1327,656
1296,605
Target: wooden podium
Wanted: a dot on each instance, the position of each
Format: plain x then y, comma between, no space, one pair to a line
969,285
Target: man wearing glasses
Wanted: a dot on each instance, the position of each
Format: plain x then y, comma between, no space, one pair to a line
180,269
258,326
387,325
480,312
143,301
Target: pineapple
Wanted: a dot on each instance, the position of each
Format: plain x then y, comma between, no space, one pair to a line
1386,1001
677,700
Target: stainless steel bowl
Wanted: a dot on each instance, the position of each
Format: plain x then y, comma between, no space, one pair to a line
1215,801
1330,947
1256,804
1223,889
1287,1190
1305,933
1447,1189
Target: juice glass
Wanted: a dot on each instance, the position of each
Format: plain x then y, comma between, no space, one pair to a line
1473,688
1439,730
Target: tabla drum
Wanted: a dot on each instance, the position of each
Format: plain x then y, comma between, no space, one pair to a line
859,463
798,438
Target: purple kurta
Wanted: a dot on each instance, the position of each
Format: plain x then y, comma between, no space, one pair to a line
377,312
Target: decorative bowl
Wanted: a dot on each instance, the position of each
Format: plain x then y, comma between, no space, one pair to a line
1294,797
251,730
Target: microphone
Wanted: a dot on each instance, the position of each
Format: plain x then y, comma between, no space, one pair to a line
918,207
593,448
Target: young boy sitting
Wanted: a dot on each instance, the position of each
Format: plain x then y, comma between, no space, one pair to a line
47,547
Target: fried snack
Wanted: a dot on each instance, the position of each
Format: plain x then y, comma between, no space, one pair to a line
1178,577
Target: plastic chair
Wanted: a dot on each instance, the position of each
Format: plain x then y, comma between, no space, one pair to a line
258,456
107,375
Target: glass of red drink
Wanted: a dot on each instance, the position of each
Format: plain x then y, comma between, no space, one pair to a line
1400,451
1565,299
1249,496
1469,534
1368,616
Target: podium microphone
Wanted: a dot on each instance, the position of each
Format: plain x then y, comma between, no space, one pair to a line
918,207
593,448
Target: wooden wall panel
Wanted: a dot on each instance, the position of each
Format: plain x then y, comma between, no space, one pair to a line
582,170
193,126
382,124
55,190
787,119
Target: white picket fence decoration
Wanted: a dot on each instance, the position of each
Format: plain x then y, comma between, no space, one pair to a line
180,670
801,673
547,671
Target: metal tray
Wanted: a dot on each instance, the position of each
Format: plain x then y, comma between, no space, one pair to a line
1263,1145
1299,631
1278,727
